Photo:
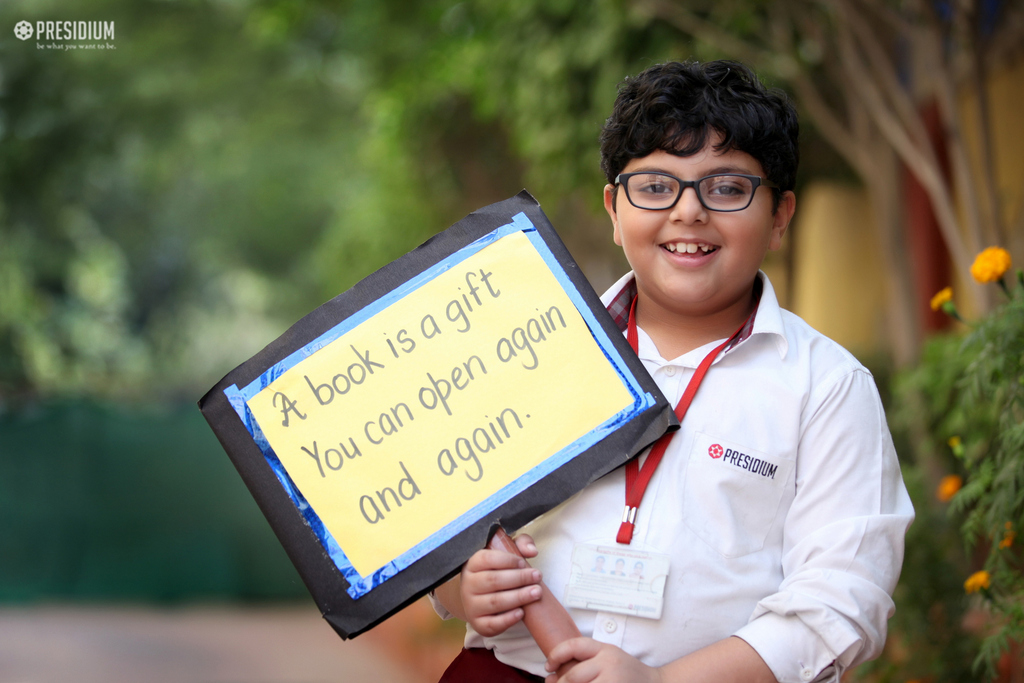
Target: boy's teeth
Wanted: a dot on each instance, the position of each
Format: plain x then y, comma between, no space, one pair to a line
688,247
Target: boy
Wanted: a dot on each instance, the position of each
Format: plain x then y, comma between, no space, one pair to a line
779,502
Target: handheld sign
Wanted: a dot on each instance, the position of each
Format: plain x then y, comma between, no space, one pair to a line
473,382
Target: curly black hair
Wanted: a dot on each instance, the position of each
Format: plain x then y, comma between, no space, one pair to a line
676,106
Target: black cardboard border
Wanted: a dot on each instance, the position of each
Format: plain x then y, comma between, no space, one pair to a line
326,584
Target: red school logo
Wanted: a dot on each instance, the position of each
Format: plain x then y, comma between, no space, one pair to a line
715,451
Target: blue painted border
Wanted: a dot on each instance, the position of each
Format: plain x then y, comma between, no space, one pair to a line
361,585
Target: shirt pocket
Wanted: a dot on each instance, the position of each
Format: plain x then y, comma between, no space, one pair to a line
732,494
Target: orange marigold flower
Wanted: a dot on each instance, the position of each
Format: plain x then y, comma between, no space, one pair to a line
978,580
1008,537
948,486
943,296
990,265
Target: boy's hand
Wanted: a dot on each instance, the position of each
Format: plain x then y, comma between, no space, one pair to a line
598,663
495,585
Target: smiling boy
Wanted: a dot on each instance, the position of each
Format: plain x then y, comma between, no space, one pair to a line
778,506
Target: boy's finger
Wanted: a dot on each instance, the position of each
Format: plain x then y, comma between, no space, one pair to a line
504,580
483,560
505,601
492,625
579,649
526,545
574,673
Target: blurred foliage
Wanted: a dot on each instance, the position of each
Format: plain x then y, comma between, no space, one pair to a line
964,404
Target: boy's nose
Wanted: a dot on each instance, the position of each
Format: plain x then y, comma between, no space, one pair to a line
689,209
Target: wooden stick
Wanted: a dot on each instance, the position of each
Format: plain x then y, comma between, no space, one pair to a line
547,620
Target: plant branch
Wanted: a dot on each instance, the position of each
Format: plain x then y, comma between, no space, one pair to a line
885,75
927,173
688,22
828,122
892,18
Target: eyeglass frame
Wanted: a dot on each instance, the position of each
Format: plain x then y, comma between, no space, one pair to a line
758,181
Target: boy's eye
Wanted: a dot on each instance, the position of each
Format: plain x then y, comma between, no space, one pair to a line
725,187
654,185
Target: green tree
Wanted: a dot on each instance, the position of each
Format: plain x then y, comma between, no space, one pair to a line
163,206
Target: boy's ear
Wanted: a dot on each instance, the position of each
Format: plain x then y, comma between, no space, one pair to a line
609,206
780,221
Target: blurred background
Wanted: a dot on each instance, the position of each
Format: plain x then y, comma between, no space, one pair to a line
175,195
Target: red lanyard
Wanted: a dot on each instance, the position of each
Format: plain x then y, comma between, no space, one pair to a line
637,478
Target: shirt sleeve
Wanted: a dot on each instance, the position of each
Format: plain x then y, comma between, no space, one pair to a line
843,540
438,607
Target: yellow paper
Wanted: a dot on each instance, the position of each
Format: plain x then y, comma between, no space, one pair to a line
421,412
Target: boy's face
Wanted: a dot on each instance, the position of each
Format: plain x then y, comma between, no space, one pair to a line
705,283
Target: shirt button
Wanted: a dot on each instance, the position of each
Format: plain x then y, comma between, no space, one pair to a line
610,626
806,674
670,370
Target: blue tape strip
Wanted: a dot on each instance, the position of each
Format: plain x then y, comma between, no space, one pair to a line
360,585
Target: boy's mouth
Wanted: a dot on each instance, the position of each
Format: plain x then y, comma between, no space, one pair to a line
689,247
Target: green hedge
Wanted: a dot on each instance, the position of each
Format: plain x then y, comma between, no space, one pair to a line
106,502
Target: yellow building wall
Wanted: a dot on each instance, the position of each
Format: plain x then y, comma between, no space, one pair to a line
1006,107
839,276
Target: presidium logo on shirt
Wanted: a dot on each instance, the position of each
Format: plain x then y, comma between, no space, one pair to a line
743,461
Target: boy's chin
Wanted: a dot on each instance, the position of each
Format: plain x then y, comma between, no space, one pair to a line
688,302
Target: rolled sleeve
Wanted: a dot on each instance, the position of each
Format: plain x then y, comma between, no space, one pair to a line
843,545
803,656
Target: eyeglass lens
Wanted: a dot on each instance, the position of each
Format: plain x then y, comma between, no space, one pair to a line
722,192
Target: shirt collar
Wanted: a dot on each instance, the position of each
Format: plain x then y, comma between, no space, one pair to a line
767,318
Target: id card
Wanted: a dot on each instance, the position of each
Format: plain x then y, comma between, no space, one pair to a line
619,579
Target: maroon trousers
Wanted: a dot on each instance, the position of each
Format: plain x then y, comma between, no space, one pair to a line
479,665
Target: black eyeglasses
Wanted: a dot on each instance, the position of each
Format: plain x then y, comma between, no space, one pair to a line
718,192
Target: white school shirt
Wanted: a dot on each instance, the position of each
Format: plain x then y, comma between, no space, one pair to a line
780,502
